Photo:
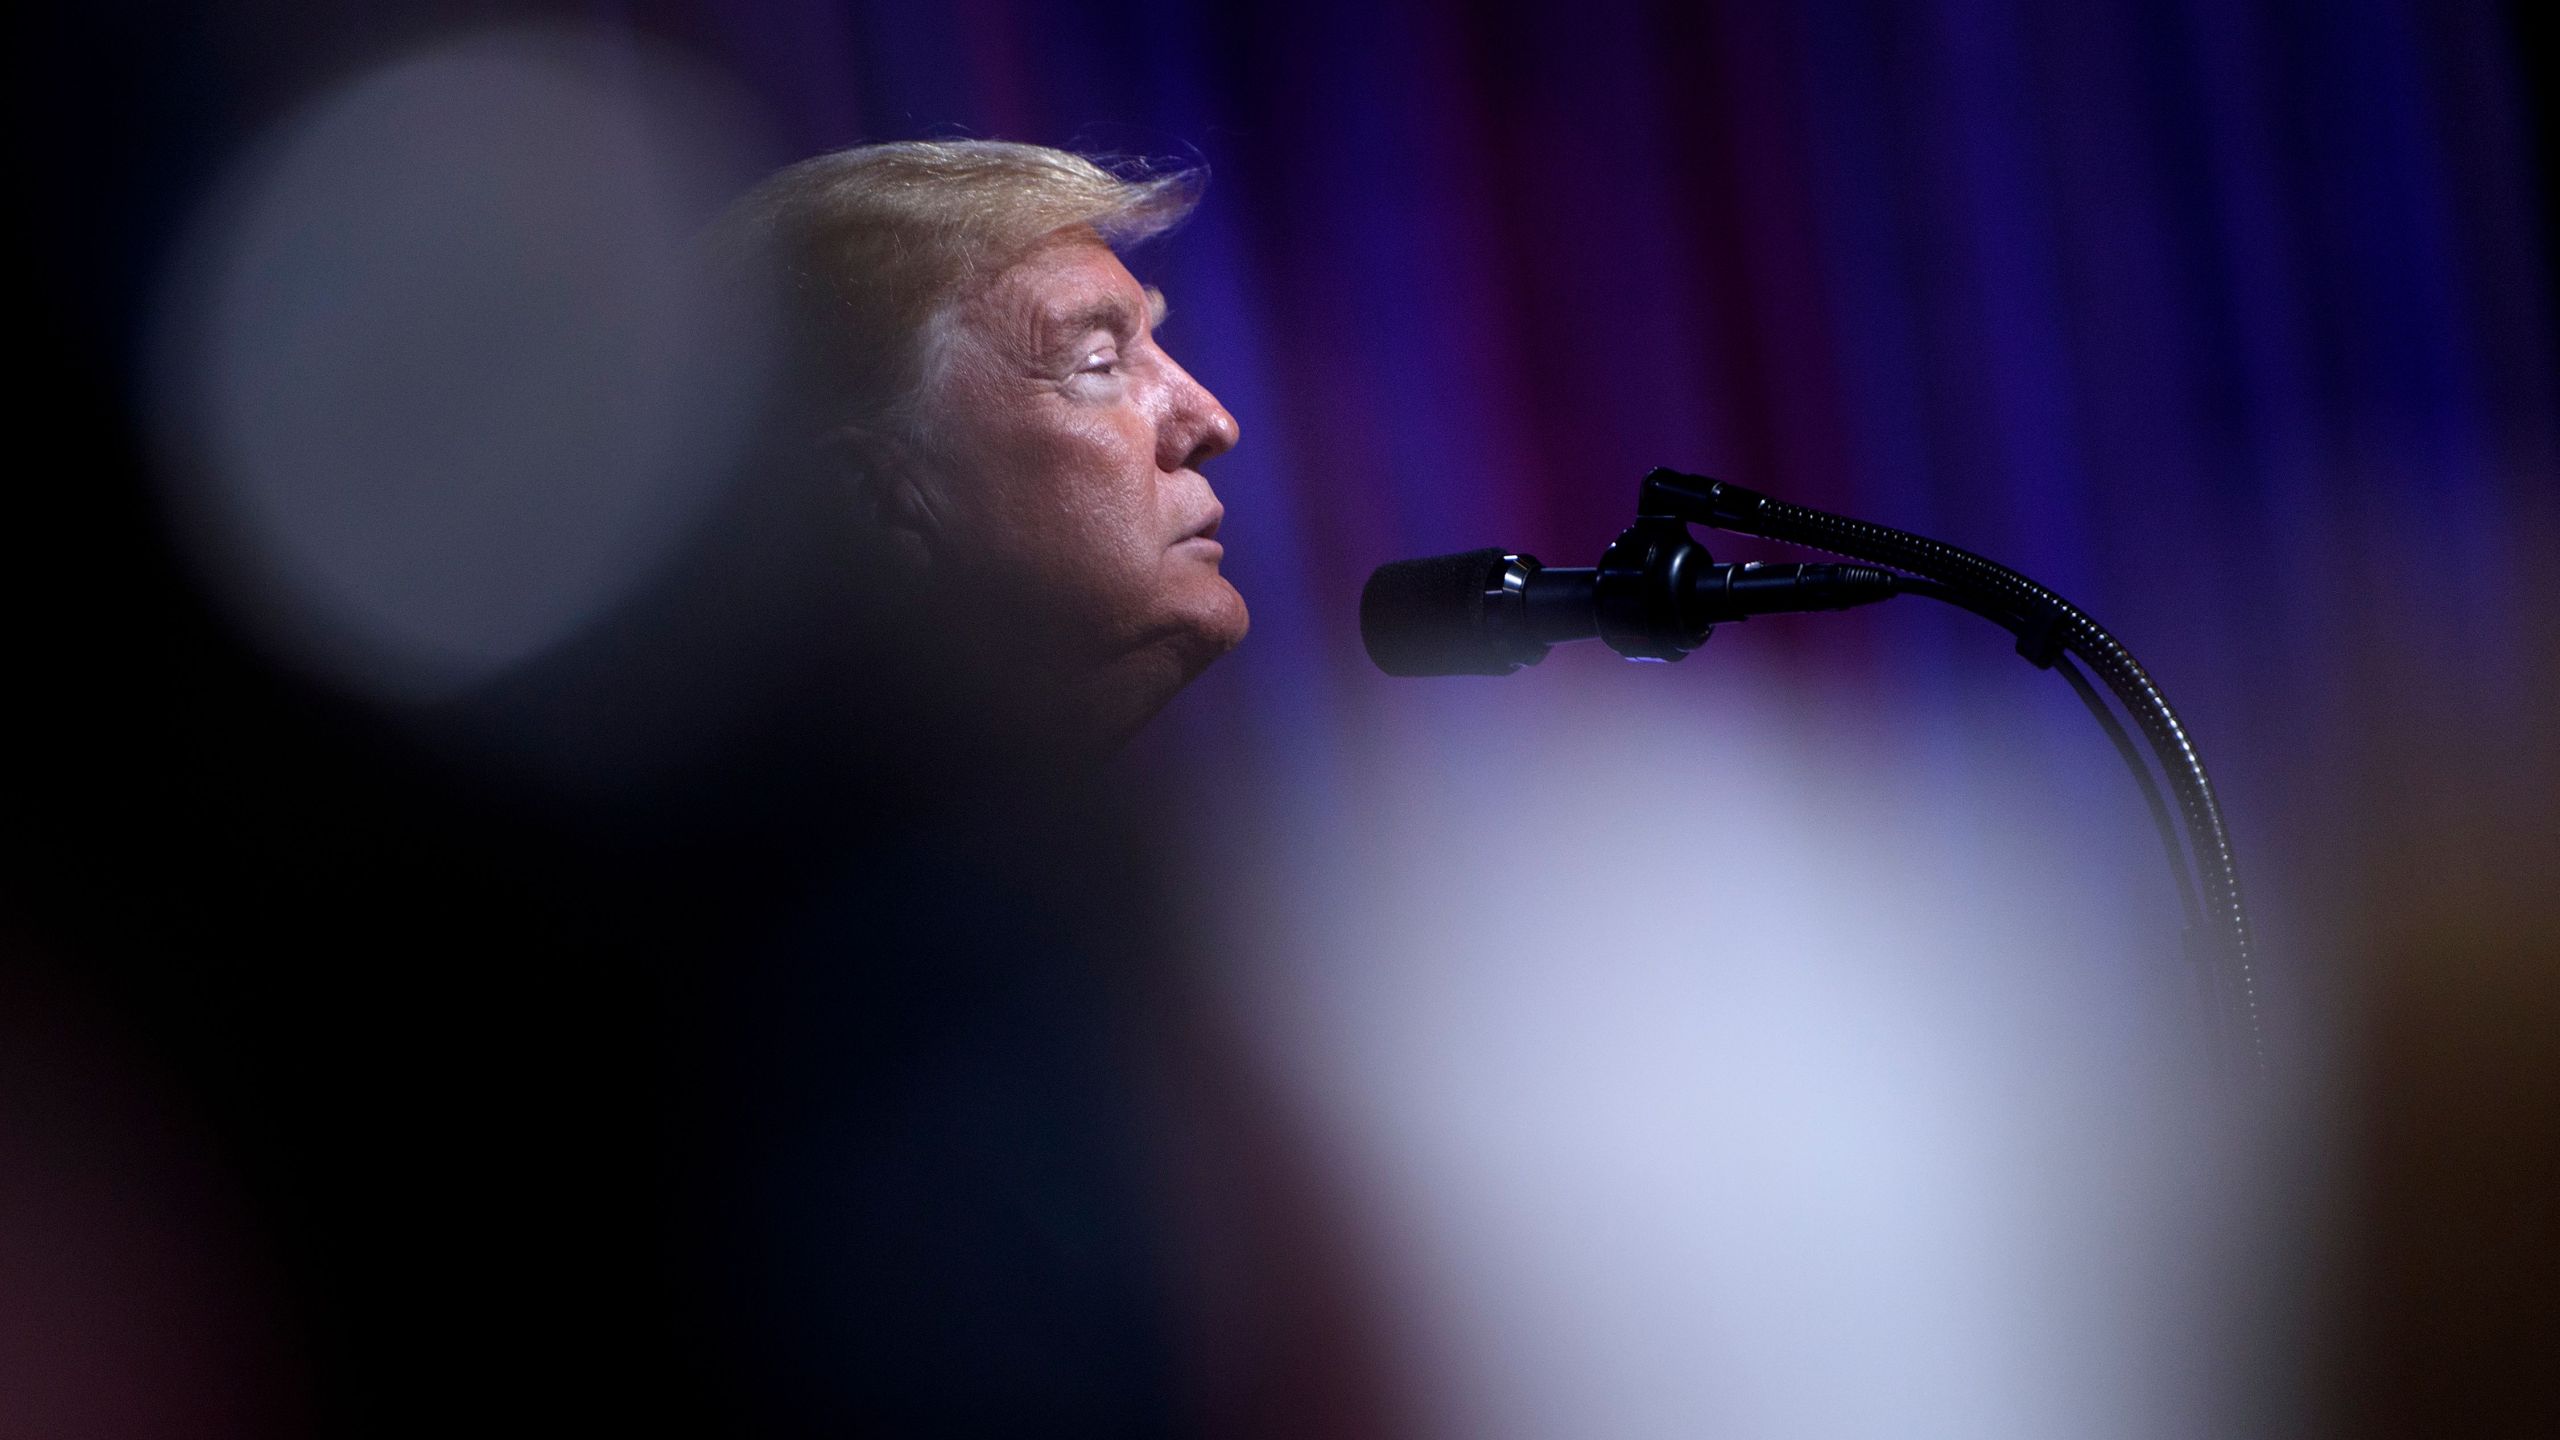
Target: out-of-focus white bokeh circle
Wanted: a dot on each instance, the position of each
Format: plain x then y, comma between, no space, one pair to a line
438,381
1727,1072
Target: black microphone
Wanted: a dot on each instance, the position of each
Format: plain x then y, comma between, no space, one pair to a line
1654,596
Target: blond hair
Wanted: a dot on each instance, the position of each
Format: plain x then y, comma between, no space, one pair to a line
858,253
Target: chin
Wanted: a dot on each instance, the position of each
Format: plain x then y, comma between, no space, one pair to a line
1143,681
1222,618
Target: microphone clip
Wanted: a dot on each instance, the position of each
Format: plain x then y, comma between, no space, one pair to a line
1641,593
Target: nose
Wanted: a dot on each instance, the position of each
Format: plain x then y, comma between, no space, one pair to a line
1198,430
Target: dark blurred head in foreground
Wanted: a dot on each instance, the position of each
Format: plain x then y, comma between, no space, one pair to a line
977,423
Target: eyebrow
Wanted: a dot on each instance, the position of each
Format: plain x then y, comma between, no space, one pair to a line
1110,314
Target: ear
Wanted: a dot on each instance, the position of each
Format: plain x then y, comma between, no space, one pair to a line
881,486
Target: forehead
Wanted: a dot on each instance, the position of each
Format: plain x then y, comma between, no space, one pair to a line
1065,282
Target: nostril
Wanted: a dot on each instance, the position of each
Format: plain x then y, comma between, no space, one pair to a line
1216,438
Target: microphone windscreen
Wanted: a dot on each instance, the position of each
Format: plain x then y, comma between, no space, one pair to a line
1426,617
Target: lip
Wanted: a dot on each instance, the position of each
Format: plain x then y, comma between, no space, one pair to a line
1206,532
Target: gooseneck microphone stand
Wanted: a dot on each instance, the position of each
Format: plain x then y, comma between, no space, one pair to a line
1656,594
2050,629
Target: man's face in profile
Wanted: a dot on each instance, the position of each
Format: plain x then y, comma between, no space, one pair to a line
1063,475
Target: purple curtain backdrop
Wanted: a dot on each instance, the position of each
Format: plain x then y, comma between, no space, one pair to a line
2230,321
2233,322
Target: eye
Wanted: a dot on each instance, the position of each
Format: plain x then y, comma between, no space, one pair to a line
1105,361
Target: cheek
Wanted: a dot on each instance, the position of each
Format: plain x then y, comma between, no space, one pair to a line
1089,480
1059,510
